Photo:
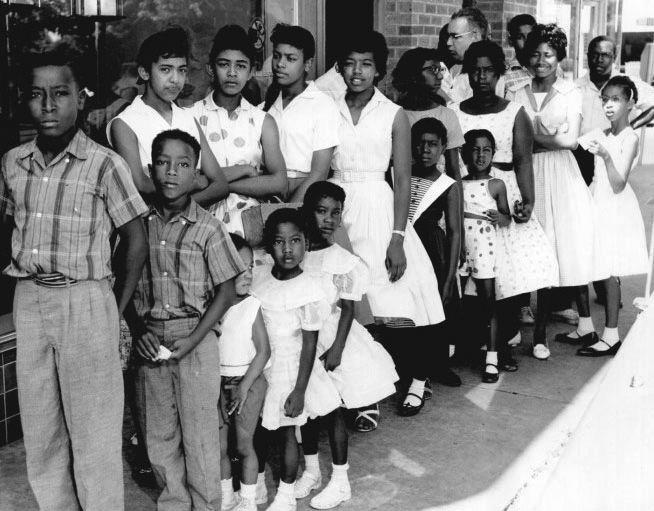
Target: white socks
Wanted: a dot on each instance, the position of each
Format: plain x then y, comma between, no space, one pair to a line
311,464
610,335
287,489
227,488
584,327
339,473
491,358
417,387
248,491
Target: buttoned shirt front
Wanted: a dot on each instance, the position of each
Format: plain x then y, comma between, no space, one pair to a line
592,111
189,256
65,211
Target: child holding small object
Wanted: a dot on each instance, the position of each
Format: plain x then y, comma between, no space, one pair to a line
485,205
186,287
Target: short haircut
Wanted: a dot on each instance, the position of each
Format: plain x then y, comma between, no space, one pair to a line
472,135
239,242
601,39
320,190
429,125
475,17
485,48
232,37
408,70
175,134
169,43
516,22
59,55
298,37
626,84
363,42
550,34
282,216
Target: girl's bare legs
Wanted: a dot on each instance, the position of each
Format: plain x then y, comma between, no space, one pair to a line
544,304
311,478
613,297
290,454
486,293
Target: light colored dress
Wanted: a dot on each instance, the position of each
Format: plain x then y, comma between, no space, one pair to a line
621,230
235,139
288,307
360,163
481,238
564,205
235,343
526,259
367,373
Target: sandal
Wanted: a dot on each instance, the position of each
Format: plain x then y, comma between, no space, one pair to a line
508,363
365,422
487,377
408,410
428,390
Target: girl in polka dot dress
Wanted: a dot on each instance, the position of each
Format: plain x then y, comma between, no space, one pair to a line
485,205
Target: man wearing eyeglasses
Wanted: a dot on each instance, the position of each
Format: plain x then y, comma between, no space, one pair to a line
466,26
601,59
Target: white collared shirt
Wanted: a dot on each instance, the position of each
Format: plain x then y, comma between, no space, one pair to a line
308,123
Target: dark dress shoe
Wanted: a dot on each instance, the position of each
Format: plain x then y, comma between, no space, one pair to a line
409,410
589,351
487,377
584,340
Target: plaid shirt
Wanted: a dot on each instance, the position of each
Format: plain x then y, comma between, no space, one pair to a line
66,211
189,256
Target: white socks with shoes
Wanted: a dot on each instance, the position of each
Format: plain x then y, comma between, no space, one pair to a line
417,387
261,496
337,490
310,479
584,327
285,498
228,496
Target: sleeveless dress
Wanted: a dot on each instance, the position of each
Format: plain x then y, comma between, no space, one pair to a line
235,343
564,205
366,374
360,163
526,260
481,238
288,307
235,139
621,230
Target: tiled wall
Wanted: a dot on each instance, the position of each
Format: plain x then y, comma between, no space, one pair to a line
10,428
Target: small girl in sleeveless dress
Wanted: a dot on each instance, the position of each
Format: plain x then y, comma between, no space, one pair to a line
360,368
485,205
244,351
294,308
622,232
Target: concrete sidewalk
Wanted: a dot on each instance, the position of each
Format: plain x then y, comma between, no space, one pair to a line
463,441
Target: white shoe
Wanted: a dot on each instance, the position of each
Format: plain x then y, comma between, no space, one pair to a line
283,503
306,484
541,352
515,340
526,316
261,496
245,505
228,503
569,316
333,495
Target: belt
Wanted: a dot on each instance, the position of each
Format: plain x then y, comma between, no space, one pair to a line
55,279
349,176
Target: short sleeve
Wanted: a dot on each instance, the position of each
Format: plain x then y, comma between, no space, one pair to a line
645,93
325,130
314,314
6,201
454,133
353,284
124,203
223,260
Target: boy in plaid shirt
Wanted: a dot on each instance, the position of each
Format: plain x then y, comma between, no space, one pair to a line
186,287
65,195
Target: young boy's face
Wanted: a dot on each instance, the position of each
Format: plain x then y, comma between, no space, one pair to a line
480,154
289,65
428,150
54,101
231,71
244,280
174,170
327,217
166,77
288,246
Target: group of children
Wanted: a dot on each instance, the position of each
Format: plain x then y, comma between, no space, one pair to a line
232,343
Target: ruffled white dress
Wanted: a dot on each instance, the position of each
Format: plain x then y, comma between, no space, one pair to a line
526,260
564,204
621,230
288,307
360,163
367,373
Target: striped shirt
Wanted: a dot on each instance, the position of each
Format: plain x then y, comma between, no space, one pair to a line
189,256
419,187
66,211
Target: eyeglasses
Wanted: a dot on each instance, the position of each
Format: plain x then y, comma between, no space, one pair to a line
456,37
434,69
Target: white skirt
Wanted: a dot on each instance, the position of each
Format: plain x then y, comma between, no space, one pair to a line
368,220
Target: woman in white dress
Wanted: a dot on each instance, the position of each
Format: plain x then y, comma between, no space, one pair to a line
526,261
404,289
563,202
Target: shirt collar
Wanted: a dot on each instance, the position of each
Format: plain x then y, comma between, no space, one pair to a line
190,214
309,93
76,147
210,104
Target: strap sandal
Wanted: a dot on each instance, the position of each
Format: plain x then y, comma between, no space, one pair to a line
487,377
428,391
508,363
367,420
589,351
409,410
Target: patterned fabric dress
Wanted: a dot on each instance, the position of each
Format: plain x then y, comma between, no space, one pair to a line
481,238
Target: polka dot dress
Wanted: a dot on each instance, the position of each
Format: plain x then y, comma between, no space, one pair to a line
481,237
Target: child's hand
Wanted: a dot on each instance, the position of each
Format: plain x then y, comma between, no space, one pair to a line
331,358
493,216
181,348
294,404
596,148
521,212
395,261
148,346
449,288
239,400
